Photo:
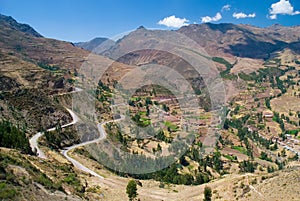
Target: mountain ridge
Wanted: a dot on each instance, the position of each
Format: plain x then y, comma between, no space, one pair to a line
25,28
233,40
242,40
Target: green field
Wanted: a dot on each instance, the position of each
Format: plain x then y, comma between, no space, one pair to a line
240,149
170,125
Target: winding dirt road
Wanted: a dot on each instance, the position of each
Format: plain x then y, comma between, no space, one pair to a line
33,141
77,164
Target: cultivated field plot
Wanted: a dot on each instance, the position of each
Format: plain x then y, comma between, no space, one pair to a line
285,103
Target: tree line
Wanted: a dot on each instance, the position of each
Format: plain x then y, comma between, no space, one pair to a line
12,137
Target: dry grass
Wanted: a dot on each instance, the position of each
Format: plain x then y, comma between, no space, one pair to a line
247,65
286,103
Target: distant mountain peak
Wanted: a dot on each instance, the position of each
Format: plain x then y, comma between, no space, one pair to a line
96,45
141,27
276,26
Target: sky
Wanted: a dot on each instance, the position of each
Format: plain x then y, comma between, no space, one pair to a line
83,20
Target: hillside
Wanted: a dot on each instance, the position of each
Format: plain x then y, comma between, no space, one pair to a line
37,65
32,64
8,21
24,42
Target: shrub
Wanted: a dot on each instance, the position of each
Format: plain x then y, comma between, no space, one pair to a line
131,189
6,192
207,194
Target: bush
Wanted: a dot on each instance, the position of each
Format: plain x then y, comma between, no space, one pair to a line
6,192
207,194
247,166
131,189
48,67
12,137
45,181
264,156
72,180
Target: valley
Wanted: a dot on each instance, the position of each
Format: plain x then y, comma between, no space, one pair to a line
217,108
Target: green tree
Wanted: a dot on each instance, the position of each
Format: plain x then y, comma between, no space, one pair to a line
158,147
131,190
165,108
247,166
12,137
207,194
267,102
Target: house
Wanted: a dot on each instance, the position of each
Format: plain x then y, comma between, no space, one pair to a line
268,114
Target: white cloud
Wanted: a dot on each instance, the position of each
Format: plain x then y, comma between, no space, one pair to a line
173,21
211,19
226,7
273,17
283,7
243,15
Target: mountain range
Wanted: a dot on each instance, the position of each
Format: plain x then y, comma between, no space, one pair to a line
229,40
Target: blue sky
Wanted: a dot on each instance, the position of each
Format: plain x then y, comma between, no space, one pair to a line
82,20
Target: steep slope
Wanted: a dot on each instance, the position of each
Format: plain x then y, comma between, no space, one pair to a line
11,22
24,42
50,54
33,69
24,90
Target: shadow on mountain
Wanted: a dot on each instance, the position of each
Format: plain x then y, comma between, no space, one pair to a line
256,49
295,46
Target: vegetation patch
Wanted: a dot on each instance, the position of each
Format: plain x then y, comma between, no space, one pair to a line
48,67
7,191
240,149
12,137
228,65
172,127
